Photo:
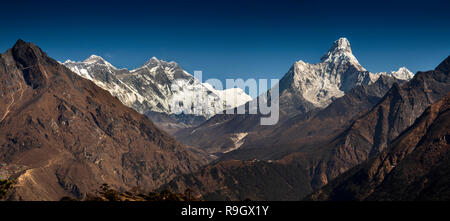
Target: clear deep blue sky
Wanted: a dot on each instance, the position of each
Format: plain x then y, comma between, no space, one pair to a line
231,39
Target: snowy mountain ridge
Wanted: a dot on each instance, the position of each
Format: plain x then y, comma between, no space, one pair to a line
158,86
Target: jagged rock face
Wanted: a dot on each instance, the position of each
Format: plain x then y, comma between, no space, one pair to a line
66,136
157,86
414,167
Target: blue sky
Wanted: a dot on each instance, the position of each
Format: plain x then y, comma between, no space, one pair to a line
233,39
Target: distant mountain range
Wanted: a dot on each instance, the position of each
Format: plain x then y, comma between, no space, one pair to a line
155,87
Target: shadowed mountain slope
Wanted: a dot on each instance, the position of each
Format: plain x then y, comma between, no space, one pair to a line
414,167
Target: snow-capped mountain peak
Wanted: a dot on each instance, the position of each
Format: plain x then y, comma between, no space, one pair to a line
338,72
155,61
95,59
402,73
341,45
152,62
233,97
91,61
340,53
